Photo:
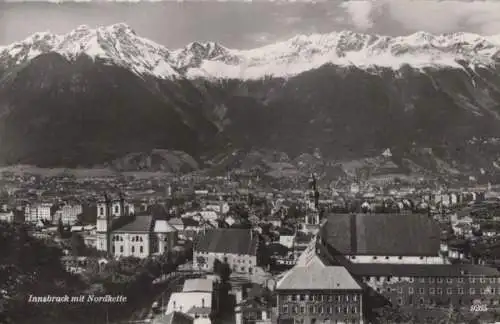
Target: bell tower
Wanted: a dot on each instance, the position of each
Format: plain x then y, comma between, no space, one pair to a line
103,224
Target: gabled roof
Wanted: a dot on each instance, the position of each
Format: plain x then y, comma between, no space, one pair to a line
380,234
140,224
226,240
315,275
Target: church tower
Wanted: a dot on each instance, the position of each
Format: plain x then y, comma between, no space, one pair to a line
312,198
103,224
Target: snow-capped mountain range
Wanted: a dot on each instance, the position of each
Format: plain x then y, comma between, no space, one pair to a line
119,45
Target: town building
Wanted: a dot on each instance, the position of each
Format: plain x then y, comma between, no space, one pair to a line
133,235
315,292
383,238
33,213
237,247
68,214
197,299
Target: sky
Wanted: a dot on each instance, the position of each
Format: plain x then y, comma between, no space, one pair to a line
246,25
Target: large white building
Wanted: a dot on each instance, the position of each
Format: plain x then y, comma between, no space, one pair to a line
37,212
128,235
197,300
68,214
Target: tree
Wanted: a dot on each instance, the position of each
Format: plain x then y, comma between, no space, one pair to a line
78,247
29,266
60,228
201,261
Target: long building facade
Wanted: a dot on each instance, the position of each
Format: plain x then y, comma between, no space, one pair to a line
405,273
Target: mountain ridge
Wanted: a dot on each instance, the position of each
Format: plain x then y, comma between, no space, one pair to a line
128,94
120,44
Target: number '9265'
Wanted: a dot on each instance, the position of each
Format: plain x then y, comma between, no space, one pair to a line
478,308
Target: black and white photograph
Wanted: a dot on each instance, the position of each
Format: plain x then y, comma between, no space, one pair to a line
249,162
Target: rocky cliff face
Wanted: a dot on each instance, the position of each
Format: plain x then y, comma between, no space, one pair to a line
94,95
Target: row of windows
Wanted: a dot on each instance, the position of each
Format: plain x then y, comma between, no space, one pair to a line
132,249
431,301
319,309
439,291
435,280
322,298
119,238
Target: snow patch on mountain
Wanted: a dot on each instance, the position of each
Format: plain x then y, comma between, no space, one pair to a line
118,44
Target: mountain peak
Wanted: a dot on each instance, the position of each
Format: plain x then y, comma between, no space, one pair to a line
117,44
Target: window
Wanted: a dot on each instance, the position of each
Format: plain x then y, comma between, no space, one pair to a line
121,249
285,309
472,291
311,310
472,280
302,309
330,298
421,290
291,297
440,280
460,280
410,290
449,280
113,249
492,280
117,209
302,297
421,301
294,297
320,309
101,211
345,310
329,309
432,291
431,280
347,298
422,280
448,291
400,301
132,249
374,258
387,258
411,279
460,291
440,291
482,280
295,309
355,298
353,310
141,249
492,291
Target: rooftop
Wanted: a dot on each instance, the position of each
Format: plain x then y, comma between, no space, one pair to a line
173,318
140,224
226,240
380,234
315,275
200,285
